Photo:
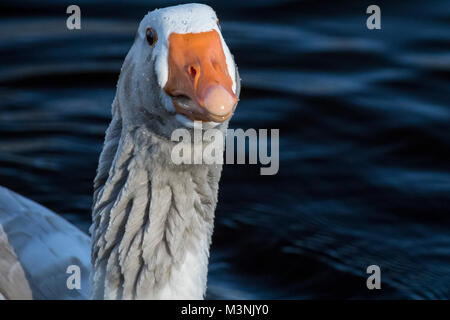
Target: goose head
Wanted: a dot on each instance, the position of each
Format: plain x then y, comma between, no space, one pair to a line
179,70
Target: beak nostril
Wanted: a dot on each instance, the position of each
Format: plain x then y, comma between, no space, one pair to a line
192,72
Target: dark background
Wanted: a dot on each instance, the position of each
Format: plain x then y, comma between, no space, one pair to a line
364,137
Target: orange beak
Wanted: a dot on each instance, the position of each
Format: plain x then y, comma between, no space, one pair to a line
198,80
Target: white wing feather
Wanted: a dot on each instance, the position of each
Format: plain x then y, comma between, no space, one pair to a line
13,283
46,245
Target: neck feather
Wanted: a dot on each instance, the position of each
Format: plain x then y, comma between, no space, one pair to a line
152,220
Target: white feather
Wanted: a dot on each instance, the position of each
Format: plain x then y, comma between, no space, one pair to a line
46,245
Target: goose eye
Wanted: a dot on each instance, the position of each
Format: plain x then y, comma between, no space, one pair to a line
151,36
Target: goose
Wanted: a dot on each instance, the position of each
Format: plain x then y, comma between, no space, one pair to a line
152,219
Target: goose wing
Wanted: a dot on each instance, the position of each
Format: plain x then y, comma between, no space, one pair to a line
50,250
13,283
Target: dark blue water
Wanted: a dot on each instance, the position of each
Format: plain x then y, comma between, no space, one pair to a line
364,137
